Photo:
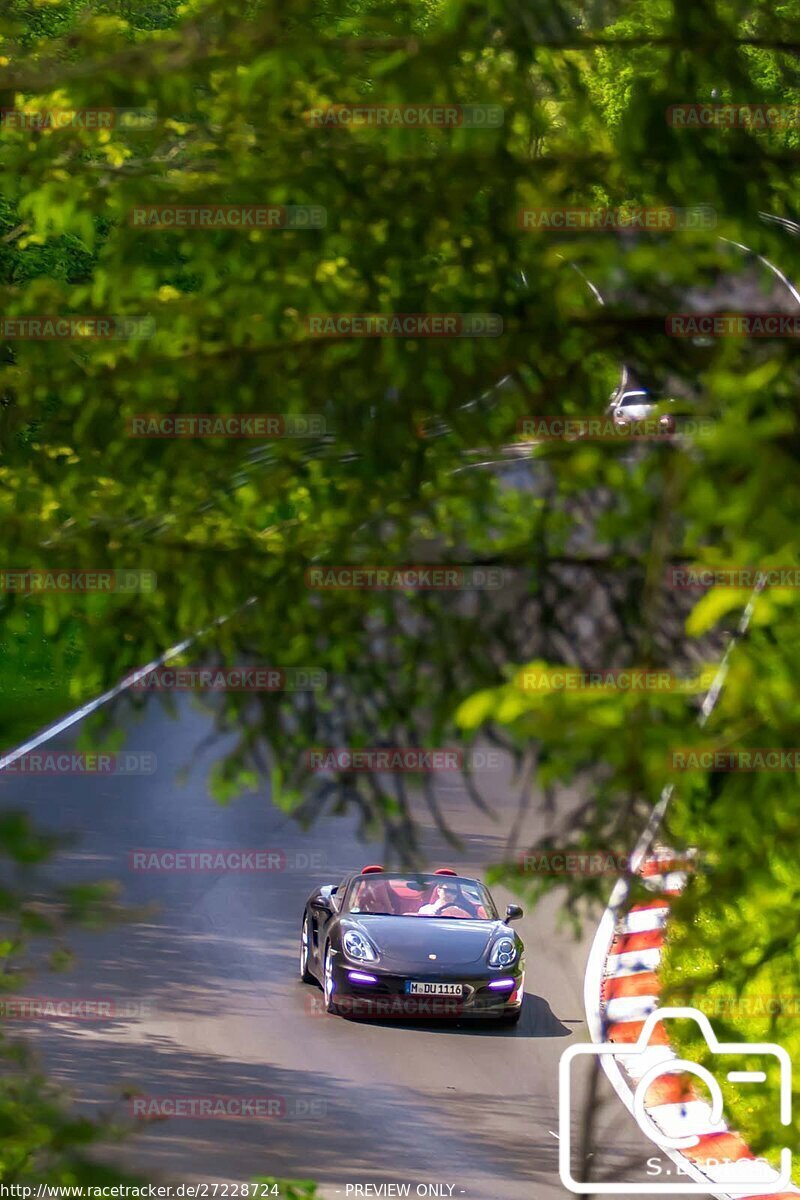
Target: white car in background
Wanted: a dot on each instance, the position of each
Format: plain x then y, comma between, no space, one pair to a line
638,404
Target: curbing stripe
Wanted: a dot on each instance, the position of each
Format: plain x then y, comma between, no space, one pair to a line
624,989
640,983
637,1065
627,1033
631,1009
670,1089
720,1147
645,921
627,943
633,962
683,1119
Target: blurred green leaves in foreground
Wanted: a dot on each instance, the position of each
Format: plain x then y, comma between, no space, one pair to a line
419,220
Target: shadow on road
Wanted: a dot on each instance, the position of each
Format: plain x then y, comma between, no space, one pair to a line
403,1132
537,1021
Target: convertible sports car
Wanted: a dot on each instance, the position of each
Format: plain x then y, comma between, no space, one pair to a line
402,944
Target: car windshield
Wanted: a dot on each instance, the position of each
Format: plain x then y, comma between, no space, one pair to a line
634,399
426,895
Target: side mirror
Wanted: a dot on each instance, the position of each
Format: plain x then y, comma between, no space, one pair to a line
327,895
513,913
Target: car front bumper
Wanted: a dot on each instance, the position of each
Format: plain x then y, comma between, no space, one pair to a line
387,998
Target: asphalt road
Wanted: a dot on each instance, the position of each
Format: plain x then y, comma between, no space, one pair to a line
215,959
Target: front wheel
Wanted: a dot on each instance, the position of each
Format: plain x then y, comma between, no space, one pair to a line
328,984
305,936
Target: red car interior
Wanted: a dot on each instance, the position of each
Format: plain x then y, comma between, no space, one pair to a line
395,896
405,899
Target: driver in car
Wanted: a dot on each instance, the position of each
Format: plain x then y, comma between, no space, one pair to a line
444,896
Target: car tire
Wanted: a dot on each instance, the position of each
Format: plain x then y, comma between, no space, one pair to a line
327,982
305,951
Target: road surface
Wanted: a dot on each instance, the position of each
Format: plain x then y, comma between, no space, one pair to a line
212,962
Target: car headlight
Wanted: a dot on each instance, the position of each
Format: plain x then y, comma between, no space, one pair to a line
503,952
357,947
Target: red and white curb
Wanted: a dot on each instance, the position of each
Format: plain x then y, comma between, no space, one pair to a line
621,990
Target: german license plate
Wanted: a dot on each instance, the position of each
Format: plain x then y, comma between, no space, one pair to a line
434,989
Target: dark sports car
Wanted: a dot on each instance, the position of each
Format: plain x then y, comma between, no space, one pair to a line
402,944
